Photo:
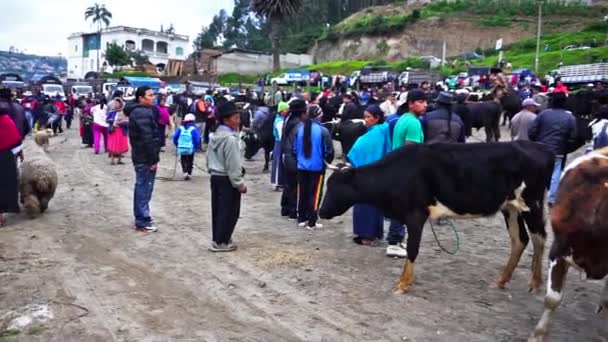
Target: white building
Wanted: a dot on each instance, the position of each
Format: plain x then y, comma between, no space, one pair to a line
159,46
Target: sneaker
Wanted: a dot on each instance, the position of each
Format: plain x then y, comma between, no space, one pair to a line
316,226
149,229
186,176
302,224
398,251
293,217
222,247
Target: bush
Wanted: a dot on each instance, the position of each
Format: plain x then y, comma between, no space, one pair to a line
120,74
416,14
411,62
235,78
380,62
495,21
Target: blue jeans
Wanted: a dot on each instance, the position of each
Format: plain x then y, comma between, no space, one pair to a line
144,185
396,233
557,173
29,116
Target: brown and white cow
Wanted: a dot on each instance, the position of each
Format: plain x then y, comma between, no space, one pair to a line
580,225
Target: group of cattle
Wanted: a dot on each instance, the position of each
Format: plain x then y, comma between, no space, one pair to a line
420,182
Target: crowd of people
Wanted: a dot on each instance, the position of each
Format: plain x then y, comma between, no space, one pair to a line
210,123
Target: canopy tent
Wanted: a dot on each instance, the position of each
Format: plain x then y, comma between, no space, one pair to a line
151,82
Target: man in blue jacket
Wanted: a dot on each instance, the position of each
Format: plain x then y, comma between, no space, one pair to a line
556,128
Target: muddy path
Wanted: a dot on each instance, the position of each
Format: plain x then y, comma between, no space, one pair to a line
283,284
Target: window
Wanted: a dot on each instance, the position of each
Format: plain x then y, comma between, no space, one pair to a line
76,48
129,45
162,47
92,64
179,51
147,45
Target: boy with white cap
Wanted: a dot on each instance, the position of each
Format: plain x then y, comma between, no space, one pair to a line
187,139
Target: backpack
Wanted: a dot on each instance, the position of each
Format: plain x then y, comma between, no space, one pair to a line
185,142
602,139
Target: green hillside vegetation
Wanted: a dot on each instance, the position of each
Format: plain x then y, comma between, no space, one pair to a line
486,12
521,54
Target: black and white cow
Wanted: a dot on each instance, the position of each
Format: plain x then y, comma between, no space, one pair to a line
418,182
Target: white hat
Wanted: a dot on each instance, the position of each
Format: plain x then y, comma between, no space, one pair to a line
189,118
530,102
28,93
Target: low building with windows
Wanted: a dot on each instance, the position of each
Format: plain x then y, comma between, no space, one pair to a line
160,47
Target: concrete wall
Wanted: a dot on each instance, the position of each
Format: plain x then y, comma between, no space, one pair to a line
253,64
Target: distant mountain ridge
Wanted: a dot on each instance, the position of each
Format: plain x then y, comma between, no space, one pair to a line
29,66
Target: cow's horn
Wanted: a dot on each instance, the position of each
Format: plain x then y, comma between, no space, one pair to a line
332,167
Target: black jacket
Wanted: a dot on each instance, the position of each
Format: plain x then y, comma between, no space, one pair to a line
351,112
288,140
436,129
143,134
555,128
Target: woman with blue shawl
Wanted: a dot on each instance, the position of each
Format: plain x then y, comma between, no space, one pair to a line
368,222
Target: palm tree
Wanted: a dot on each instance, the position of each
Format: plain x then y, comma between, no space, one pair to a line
99,15
276,11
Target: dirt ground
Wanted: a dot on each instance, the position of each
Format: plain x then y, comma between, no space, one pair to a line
102,281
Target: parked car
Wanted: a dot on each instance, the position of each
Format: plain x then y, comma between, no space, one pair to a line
472,55
433,61
574,47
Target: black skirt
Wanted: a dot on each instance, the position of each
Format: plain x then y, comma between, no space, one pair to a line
9,188
87,134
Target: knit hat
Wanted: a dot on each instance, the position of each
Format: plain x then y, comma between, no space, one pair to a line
210,98
297,106
444,98
226,110
375,110
315,112
189,118
283,106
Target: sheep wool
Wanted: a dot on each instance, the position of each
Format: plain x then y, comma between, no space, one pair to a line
37,184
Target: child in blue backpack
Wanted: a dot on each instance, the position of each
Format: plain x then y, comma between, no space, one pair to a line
187,139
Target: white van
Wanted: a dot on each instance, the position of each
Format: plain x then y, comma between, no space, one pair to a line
52,90
81,90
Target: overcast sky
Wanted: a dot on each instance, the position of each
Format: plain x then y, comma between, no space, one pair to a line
42,26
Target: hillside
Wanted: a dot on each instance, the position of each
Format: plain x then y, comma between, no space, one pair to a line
28,66
395,32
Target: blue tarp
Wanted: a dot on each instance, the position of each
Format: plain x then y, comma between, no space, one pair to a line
13,84
153,83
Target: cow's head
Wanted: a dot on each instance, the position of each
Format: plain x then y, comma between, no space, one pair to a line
252,144
341,192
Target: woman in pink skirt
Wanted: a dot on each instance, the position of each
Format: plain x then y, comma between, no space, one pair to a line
118,142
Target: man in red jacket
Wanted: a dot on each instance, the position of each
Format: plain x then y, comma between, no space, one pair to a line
61,107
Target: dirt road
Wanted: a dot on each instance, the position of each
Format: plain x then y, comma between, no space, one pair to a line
105,282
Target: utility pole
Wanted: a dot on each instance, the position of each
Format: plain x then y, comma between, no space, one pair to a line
540,16
444,53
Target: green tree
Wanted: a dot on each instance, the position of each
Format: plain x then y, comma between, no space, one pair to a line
277,12
204,40
139,57
99,15
117,56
